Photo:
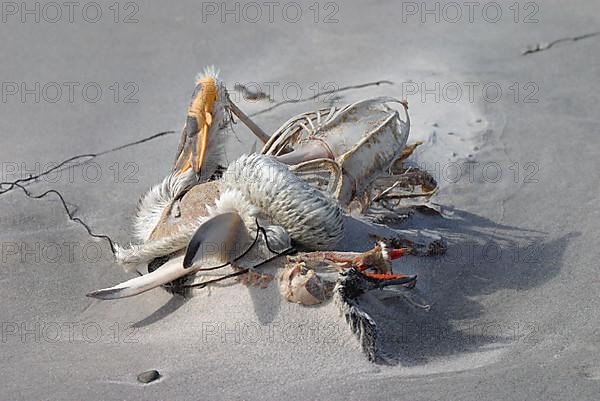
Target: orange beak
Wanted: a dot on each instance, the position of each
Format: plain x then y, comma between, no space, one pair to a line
194,138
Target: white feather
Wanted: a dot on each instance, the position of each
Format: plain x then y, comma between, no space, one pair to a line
310,217
152,204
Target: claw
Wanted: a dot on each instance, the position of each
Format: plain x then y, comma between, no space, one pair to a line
377,259
386,280
396,253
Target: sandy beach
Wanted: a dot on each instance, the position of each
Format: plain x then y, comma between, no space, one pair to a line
503,97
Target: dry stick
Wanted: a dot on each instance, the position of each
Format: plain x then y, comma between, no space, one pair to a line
342,89
249,123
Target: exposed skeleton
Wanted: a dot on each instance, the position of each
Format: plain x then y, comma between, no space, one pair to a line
354,152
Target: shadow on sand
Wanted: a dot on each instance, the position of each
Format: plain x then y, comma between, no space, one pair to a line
483,257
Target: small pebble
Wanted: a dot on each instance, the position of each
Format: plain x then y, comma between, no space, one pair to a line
434,124
454,154
475,148
469,155
478,120
450,133
149,376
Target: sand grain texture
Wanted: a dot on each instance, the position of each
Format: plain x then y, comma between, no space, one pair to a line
514,302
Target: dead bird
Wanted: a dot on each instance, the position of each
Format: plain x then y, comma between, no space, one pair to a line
255,191
267,205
